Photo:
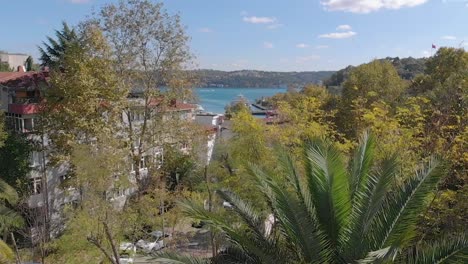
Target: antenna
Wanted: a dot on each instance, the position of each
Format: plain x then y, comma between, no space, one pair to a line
461,43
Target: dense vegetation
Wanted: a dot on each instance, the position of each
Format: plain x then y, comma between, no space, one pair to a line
407,68
251,78
373,174
410,121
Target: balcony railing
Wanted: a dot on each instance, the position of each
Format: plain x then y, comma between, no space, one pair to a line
23,109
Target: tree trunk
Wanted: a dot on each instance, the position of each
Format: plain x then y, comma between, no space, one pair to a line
112,243
18,260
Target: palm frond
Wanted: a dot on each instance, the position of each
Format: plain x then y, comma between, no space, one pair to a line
446,250
9,218
362,162
6,254
329,185
237,237
8,193
232,255
366,205
397,218
244,210
295,221
380,255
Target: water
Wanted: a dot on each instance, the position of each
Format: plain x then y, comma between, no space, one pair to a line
215,99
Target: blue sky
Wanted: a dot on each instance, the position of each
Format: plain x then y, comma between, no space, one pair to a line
279,35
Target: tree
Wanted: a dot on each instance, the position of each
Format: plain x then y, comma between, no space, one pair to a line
5,67
52,53
327,212
150,49
367,84
9,218
97,221
444,88
83,99
15,162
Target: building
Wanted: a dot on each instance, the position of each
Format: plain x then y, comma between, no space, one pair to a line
20,98
14,60
20,93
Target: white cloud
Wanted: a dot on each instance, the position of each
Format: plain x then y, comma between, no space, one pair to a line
367,6
338,35
259,20
344,27
302,45
426,53
305,59
321,47
79,1
205,30
268,45
449,37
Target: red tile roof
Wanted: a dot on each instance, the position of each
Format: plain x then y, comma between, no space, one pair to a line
173,104
23,80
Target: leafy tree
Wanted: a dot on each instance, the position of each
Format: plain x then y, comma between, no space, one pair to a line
328,212
83,99
52,53
367,84
97,221
9,218
309,113
29,63
444,88
143,36
15,162
5,67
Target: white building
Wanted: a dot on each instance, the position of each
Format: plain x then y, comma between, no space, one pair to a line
14,60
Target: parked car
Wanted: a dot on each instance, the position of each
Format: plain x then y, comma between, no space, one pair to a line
148,246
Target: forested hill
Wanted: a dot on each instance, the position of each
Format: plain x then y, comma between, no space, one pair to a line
252,78
407,68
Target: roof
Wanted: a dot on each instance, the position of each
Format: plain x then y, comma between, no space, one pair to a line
23,80
172,104
184,106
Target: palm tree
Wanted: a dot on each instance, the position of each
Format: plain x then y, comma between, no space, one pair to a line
331,213
6,254
9,218
53,52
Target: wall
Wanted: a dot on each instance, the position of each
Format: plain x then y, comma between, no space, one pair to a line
14,60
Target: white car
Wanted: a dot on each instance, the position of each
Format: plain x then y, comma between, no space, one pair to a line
149,247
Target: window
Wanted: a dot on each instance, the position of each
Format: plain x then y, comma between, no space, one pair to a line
35,159
143,163
183,145
158,158
28,124
36,185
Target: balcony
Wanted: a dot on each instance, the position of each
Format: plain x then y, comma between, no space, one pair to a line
24,106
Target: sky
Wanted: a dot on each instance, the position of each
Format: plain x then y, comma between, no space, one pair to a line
271,35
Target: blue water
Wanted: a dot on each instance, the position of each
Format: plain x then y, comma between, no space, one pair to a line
215,99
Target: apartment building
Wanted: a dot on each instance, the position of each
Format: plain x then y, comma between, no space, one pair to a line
20,95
